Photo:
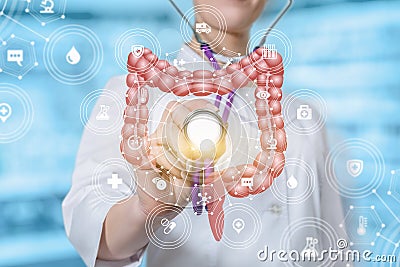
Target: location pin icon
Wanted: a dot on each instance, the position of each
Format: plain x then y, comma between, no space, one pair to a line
238,225
5,112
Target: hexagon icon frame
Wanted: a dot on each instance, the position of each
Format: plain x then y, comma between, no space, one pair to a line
30,45
7,6
371,214
45,18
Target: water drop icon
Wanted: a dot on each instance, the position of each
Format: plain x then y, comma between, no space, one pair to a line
73,57
292,182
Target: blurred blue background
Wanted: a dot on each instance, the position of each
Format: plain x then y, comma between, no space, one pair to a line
347,51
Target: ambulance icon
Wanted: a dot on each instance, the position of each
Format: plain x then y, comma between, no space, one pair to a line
203,27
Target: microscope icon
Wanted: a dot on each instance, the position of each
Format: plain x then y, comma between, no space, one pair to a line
48,6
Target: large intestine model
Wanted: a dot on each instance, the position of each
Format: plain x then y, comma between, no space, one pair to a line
147,72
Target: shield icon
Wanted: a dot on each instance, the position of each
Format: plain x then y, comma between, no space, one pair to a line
137,50
355,167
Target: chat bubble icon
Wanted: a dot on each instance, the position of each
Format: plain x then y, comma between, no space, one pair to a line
15,56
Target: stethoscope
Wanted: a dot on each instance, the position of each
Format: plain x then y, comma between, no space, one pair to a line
209,54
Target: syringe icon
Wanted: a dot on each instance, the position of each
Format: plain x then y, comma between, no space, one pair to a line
362,225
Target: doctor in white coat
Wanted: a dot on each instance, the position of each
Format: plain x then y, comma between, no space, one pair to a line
107,223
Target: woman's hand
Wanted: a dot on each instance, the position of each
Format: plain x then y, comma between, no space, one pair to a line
156,162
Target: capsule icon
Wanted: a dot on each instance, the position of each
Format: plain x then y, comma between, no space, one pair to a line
168,226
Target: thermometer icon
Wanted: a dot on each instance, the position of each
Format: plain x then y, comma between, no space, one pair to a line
362,225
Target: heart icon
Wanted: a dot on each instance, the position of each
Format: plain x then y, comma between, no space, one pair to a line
147,72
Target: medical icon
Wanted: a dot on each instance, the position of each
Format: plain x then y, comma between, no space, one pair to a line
304,113
143,95
160,183
48,6
203,199
15,56
269,52
238,225
179,63
135,142
355,167
103,113
5,112
114,181
272,143
168,225
263,95
73,57
310,252
247,181
60,55
362,225
138,50
292,182
203,27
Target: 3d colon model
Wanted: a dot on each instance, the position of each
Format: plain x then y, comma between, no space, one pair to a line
199,151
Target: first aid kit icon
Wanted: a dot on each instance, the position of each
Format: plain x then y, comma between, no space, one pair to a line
304,113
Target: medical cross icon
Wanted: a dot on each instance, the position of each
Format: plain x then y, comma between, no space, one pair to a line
114,181
3,111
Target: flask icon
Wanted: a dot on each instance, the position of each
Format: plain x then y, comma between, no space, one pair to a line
103,113
310,252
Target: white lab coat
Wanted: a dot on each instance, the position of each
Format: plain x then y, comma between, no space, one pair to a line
84,211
